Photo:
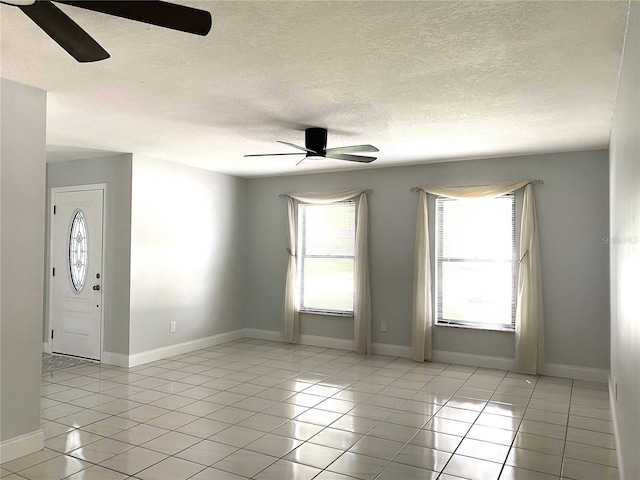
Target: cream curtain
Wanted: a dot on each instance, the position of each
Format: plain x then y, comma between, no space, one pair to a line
291,322
529,354
362,300
422,311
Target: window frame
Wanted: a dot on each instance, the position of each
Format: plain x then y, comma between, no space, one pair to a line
302,255
438,254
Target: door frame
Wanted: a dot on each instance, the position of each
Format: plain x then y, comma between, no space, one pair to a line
76,188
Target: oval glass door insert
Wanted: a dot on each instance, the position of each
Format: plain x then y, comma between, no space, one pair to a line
78,250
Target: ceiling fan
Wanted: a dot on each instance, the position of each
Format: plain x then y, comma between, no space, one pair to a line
315,146
81,46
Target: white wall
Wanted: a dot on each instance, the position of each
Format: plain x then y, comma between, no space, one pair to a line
625,253
173,251
22,204
115,172
573,219
187,249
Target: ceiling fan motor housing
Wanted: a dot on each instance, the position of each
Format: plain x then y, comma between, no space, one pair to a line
316,139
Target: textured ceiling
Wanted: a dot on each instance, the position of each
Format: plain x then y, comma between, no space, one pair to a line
423,81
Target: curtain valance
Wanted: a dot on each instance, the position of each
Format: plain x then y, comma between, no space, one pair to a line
475,191
325,197
529,342
362,295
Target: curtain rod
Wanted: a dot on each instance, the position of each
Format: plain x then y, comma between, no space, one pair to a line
532,182
284,195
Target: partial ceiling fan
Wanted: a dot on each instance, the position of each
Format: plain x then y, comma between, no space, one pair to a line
315,146
81,46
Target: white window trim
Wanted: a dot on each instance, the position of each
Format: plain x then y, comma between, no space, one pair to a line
301,254
437,314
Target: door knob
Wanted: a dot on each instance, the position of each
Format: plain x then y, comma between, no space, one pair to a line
96,287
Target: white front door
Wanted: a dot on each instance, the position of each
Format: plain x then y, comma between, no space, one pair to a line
75,314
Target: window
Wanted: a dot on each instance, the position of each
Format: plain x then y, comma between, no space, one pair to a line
476,262
78,251
326,246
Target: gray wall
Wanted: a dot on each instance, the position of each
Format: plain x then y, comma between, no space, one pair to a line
115,171
22,207
625,251
187,252
573,219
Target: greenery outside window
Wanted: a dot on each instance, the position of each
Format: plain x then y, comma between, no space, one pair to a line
476,262
326,246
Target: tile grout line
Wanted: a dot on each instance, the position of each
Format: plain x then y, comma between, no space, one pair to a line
308,369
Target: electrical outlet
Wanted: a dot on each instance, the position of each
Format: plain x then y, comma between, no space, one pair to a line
172,327
383,326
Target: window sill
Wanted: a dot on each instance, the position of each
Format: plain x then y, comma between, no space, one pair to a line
327,314
471,327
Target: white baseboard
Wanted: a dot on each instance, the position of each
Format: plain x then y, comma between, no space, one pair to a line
326,342
148,356
116,359
504,363
311,340
330,342
271,335
22,445
391,350
616,435
184,347
458,358
403,351
577,373
46,347
484,361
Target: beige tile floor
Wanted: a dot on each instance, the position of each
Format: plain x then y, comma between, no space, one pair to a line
267,410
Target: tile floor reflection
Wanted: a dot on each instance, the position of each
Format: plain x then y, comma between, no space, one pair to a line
266,410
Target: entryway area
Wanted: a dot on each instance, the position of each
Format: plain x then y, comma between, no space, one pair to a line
75,288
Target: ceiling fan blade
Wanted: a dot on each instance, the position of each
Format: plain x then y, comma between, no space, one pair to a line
65,32
271,154
162,14
350,158
298,147
353,148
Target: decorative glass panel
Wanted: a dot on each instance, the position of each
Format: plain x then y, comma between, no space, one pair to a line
78,251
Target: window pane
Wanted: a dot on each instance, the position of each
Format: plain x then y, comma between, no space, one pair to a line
327,284
478,292
477,229
475,276
329,229
78,251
